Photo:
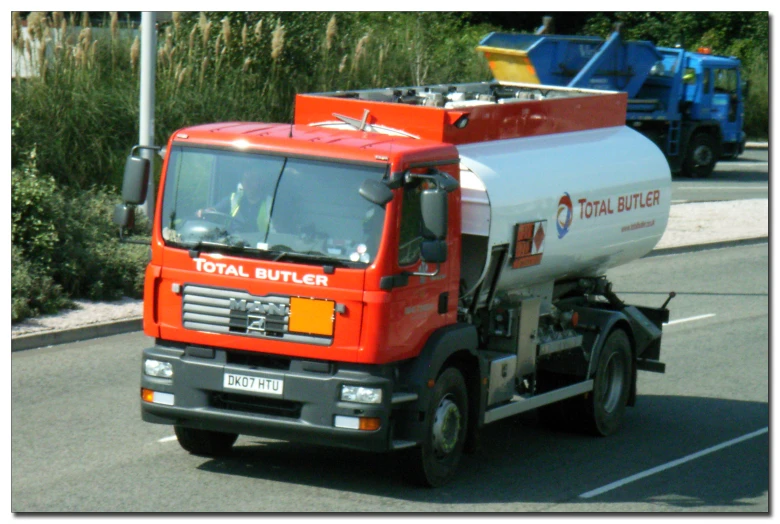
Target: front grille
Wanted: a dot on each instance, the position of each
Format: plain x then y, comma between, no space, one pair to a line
237,312
258,405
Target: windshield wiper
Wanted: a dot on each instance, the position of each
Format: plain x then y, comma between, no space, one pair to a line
236,246
322,258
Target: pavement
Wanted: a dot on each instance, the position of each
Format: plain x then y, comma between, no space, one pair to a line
692,226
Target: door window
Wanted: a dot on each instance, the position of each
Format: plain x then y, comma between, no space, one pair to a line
725,81
411,222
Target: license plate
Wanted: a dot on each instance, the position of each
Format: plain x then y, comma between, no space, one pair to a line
268,386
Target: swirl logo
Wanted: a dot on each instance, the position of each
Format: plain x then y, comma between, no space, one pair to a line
565,214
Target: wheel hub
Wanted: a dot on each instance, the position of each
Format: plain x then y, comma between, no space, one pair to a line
702,155
446,427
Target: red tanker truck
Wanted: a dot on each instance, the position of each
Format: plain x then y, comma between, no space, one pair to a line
399,268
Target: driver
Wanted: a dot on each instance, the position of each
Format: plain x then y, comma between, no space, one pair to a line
250,206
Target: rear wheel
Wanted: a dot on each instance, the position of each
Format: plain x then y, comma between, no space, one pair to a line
606,406
601,411
204,442
701,156
435,461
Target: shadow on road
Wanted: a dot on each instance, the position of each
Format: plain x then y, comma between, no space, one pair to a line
521,461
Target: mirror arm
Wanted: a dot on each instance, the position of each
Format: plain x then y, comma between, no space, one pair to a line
442,180
137,147
128,240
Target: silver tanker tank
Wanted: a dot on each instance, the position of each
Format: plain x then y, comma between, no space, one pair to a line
582,202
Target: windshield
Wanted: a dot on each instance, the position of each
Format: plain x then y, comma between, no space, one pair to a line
270,206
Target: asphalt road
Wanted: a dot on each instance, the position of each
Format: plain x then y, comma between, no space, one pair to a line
78,443
745,177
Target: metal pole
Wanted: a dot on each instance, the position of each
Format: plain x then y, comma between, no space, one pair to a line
146,127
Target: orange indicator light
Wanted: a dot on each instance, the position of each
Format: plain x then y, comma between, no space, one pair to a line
369,424
147,395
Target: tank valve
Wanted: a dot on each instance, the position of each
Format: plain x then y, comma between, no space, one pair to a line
672,294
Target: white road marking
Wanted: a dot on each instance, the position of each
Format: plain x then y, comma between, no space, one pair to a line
745,164
668,465
689,319
168,439
726,188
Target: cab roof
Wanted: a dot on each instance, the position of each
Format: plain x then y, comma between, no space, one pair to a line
304,140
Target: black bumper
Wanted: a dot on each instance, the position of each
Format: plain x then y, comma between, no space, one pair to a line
305,412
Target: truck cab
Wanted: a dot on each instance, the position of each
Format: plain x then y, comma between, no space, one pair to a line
714,92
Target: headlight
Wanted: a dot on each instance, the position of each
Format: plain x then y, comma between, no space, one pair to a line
155,368
361,394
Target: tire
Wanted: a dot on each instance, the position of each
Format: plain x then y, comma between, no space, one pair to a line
701,156
204,442
605,407
435,461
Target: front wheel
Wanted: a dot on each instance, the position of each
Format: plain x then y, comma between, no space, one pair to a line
435,461
701,156
204,442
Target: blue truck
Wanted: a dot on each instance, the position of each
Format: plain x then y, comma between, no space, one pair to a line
691,104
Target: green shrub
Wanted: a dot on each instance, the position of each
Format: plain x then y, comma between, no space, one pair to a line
36,209
64,244
91,262
33,292
756,71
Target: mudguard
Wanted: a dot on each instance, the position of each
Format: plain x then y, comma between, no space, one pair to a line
415,375
642,325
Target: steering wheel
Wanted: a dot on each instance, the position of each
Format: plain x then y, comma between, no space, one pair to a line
215,217
212,215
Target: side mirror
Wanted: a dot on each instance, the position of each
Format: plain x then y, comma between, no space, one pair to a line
136,180
745,88
434,251
433,206
376,192
124,216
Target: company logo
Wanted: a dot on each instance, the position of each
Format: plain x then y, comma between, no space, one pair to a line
219,268
565,214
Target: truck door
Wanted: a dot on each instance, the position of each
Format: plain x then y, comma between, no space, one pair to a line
702,105
421,305
727,103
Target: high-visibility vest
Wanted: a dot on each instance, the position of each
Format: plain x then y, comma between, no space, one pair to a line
263,214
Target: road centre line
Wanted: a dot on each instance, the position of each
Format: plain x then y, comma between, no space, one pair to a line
674,463
689,319
168,439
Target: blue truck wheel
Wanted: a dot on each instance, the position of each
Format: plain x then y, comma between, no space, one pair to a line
700,157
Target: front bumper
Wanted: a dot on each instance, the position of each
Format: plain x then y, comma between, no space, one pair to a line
305,412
